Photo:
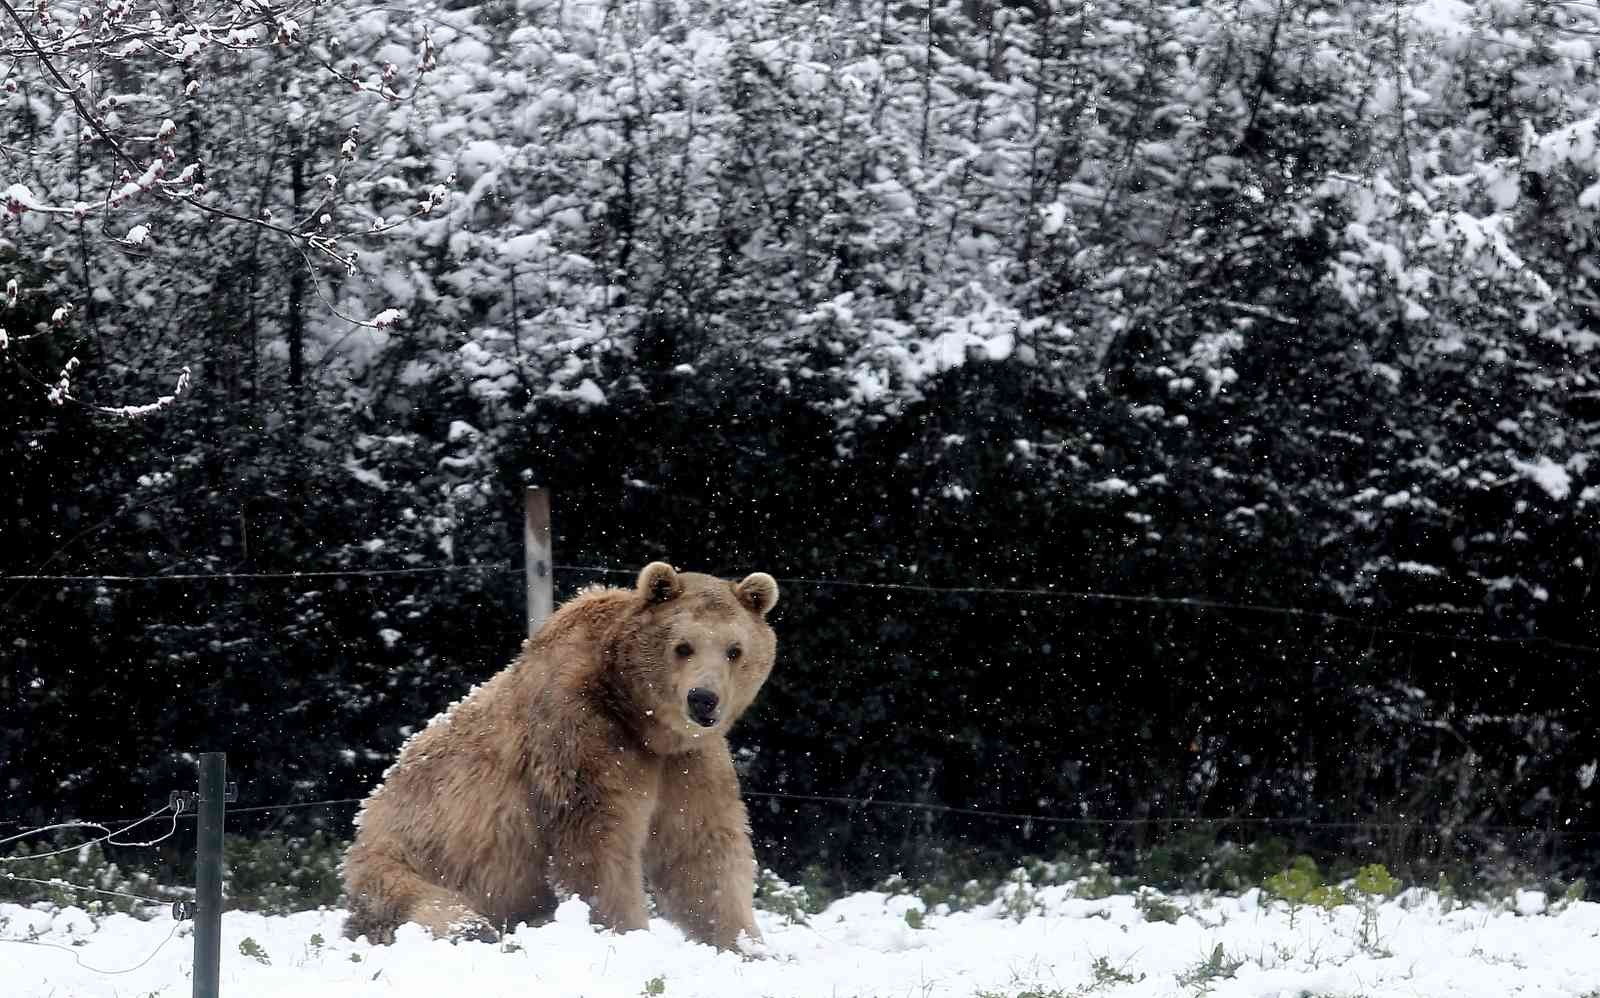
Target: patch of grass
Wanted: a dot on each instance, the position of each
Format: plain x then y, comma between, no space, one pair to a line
1192,860
1446,890
1218,965
252,949
280,875
1374,880
1017,891
84,868
1018,899
1373,885
818,895
1156,908
1468,881
1572,895
1106,976
793,902
1096,883
654,986
964,896
1301,884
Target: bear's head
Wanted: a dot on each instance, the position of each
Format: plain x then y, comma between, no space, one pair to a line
696,653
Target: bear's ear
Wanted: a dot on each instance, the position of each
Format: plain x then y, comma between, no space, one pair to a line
659,582
758,591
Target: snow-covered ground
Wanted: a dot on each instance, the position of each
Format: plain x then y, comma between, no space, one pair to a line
862,946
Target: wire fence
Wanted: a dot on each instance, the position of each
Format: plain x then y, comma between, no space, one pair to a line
66,885
109,837
114,831
173,810
1045,592
1048,592
844,800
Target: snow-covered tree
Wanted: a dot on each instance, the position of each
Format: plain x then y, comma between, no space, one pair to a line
173,167
1258,302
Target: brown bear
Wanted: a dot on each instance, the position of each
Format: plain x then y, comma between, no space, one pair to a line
594,764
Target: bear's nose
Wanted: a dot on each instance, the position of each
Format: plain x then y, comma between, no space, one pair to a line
703,706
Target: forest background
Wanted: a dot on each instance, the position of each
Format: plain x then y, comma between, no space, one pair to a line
1136,323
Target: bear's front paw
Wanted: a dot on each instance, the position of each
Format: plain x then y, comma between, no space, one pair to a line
474,930
471,927
750,946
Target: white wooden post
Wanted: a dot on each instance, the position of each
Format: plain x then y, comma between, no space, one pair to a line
537,558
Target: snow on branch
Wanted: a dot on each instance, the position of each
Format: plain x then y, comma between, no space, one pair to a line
136,411
82,56
130,78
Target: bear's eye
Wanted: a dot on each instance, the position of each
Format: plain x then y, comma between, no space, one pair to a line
734,651
684,649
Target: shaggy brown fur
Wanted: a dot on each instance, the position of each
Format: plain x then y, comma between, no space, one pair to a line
581,769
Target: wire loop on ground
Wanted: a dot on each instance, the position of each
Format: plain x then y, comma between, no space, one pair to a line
96,970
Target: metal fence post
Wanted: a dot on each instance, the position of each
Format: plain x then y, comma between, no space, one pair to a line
208,875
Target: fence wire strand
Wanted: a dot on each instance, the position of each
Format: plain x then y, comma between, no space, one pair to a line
1052,819
99,823
1045,592
220,576
295,806
926,806
187,815
109,837
83,889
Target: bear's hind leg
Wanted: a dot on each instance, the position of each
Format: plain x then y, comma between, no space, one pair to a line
385,892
